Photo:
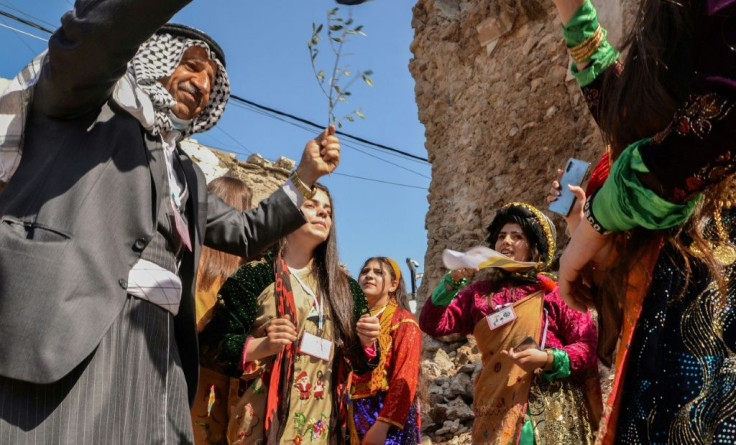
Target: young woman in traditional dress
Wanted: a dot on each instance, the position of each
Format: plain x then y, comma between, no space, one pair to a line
539,363
667,111
214,268
383,406
290,326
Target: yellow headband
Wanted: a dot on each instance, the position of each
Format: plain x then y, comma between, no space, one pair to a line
395,267
546,225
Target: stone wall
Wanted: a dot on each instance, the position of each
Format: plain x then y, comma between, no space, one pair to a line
501,114
261,175
500,110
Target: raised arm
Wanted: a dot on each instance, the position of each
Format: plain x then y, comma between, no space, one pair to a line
89,53
448,311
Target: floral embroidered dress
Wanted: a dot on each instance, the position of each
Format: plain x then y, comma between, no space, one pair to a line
676,362
388,393
571,334
316,386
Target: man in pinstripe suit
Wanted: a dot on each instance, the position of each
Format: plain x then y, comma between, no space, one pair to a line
102,223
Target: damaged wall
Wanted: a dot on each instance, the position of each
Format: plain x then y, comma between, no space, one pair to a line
501,114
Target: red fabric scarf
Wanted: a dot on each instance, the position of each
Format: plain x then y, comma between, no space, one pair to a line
278,396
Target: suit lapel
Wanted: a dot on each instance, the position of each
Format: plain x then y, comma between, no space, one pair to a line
193,183
157,165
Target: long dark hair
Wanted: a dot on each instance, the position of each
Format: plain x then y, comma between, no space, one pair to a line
640,102
214,265
332,282
400,294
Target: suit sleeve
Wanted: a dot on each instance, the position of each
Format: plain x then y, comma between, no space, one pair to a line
250,232
89,53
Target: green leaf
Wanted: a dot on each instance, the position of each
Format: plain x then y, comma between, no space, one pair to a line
337,88
319,28
337,39
350,118
342,98
332,11
358,28
367,80
321,75
349,21
335,27
368,72
359,114
346,73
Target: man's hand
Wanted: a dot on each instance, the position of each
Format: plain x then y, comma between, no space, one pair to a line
376,435
321,156
529,359
368,329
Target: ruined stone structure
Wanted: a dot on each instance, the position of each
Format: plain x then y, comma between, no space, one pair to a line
261,175
501,114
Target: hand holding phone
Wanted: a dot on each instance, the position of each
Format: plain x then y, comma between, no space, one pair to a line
573,174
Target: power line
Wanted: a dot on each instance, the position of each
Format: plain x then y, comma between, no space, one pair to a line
7,4
308,122
219,127
3,25
381,181
26,22
397,184
310,128
262,107
268,110
343,142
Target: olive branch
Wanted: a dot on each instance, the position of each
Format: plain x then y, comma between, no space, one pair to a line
339,31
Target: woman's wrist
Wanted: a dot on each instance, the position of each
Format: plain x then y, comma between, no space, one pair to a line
550,364
446,290
566,9
582,24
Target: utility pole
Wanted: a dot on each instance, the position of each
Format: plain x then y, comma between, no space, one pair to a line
413,264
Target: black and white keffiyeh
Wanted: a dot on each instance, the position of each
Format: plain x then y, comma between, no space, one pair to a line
138,92
157,58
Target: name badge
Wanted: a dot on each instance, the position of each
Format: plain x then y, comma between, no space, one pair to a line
500,318
315,346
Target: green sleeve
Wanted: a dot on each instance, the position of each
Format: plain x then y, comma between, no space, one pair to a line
560,367
446,290
581,26
359,363
623,202
222,340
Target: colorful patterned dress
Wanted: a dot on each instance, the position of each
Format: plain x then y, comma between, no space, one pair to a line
571,333
389,393
315,411
676,362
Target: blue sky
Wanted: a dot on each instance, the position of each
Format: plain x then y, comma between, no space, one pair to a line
268,63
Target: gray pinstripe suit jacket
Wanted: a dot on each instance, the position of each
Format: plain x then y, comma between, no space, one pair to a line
83,202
